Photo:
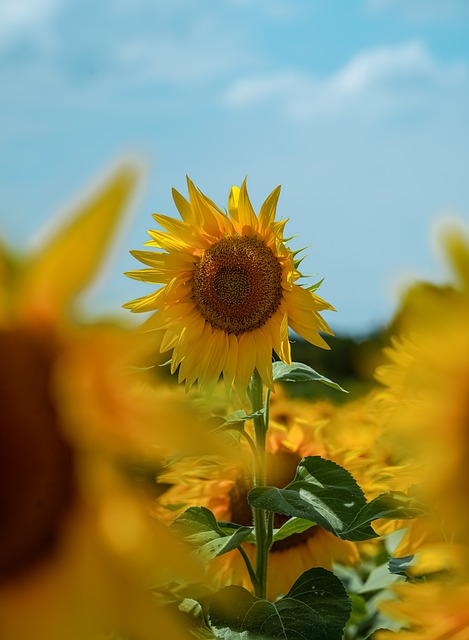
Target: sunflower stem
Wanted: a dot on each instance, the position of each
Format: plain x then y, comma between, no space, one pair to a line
256,395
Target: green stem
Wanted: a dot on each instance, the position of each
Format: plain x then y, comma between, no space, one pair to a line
256,395
252,446
247,562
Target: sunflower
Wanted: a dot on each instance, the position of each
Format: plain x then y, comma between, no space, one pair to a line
432,611
425,405
296,429
77,543
426,389
229,290
434,608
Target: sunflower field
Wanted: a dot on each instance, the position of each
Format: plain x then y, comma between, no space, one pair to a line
227,467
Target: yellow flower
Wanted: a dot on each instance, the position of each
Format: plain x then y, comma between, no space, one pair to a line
426,413
297,429
426,388
431,611
77,543
229,290
435,609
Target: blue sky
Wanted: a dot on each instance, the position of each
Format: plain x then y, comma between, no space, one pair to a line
359,109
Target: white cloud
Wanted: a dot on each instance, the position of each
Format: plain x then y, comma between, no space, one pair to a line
198,55
374,82
28,21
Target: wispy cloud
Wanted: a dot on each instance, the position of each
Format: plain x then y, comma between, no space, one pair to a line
198,55
28,21
126,43
375,82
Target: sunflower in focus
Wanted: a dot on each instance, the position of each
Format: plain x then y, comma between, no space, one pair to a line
77,544
228,291
296,429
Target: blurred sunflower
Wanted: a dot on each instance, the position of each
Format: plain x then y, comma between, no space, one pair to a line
426,411
77,545
434,609
426,391
431,611
296,429
229,290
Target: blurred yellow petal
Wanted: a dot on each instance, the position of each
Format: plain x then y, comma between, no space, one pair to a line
70,260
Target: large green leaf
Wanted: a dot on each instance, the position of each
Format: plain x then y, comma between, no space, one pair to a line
199,527
322,492
327,494
317,606
299,372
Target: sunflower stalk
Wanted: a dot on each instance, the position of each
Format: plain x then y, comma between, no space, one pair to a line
263,524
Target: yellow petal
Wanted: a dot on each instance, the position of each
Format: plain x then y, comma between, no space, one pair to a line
167,242
277,328
233,200
245,210
70,260
309,334
180,230
194,358
263,343
196,205
246,362
148,275
285,351
169,340
190,334
268,209
183,207
149,258
231,364
214,362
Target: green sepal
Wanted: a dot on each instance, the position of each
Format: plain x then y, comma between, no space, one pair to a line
317,606
314,287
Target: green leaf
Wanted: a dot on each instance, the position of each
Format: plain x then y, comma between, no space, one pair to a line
378,579
326,494
236,420
294,525
317,606
200,528
390,506
299,372
322,492
400,566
